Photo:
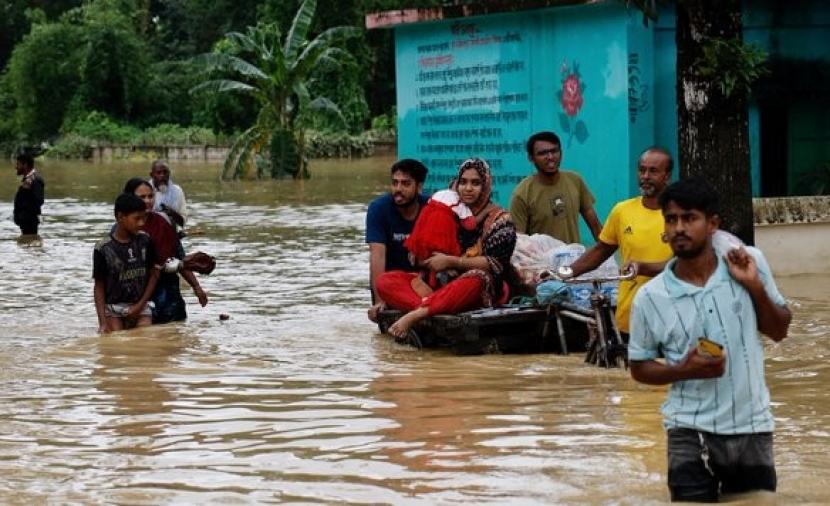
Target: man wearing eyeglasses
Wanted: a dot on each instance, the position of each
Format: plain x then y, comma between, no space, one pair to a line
550,201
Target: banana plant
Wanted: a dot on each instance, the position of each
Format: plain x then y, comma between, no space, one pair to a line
276,71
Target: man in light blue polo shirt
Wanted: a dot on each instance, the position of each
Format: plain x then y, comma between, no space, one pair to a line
717,412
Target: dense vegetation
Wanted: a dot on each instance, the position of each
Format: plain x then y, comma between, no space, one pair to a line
80,73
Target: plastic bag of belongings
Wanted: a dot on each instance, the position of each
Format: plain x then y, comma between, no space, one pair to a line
538,253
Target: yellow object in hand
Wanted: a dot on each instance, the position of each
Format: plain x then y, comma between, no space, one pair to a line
709,348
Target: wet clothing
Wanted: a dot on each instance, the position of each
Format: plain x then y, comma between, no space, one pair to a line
167,297
552,209
703,465
170,196
124,267
168,303
163,234
463,294
120,310
385,225
637,231
28,201
719,429
669,315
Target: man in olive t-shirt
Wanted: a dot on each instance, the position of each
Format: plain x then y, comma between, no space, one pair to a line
550,201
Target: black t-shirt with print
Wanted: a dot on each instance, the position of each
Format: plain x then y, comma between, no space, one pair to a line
124,267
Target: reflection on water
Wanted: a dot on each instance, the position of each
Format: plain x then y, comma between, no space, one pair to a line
296,398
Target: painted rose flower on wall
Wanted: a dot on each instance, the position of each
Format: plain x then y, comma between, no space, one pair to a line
571,99
571,95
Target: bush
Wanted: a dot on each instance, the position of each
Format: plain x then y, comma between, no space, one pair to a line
97,126
168,133
338,145
385,127
72,146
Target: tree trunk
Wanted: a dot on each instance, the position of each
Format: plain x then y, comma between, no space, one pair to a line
713,130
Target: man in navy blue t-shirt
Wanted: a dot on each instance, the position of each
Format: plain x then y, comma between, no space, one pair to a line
389,222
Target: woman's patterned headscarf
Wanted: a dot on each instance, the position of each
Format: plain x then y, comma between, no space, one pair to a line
483,169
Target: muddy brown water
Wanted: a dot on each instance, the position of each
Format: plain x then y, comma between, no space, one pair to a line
297,399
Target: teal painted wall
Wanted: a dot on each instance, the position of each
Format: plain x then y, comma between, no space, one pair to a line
481,86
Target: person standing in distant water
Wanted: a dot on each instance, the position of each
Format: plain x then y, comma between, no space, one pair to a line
169,196
29,197
550,201
389,221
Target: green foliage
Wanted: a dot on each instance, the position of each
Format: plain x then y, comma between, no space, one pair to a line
100,128
167,134
385,127
43,77
286,158
113,70
72,146
7,106
731,64
275,70
344,86
127,59
90,59
96,129
339,145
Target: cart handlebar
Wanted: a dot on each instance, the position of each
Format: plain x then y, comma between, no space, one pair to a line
565,274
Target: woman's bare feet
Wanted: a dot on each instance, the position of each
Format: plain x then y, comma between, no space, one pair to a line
401,327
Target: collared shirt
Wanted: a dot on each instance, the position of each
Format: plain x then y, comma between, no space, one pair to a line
669,314
172,196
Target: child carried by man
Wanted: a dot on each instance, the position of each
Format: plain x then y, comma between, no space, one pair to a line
125,270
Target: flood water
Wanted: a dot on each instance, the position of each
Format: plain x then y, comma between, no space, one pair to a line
297,398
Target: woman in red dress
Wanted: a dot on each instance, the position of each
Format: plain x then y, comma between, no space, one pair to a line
482,266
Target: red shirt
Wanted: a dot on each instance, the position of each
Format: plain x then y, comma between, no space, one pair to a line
162,234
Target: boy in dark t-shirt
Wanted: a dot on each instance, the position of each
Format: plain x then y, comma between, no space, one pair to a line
125,270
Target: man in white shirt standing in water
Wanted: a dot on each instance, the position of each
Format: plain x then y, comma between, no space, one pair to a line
169,196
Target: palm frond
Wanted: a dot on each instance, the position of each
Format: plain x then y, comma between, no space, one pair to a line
227,62
323,104
244,42
230,168
221,86
332,58
308,58
299,28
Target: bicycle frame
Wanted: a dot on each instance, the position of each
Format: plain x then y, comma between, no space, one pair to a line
605,344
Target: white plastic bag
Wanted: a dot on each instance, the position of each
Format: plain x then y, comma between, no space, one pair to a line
532,256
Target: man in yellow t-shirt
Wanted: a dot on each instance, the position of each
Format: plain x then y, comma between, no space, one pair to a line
635,226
